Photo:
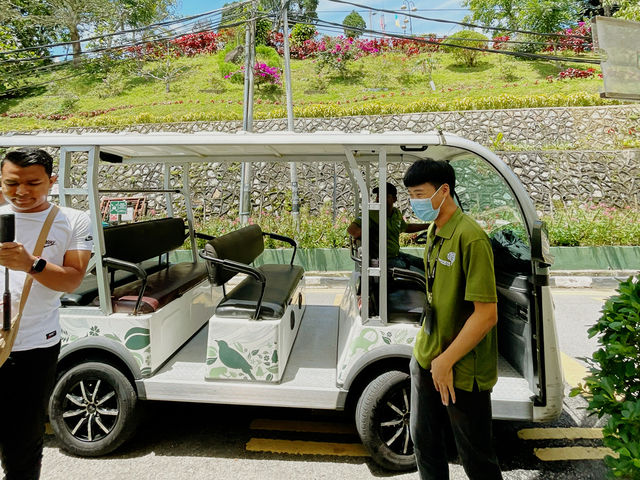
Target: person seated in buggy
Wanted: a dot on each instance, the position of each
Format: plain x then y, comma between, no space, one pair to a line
396,225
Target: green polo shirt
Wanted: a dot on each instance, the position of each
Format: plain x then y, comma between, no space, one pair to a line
464,274
395,226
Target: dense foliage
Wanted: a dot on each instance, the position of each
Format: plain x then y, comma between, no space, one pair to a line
613,386
464,45
594,225
353,24
566,227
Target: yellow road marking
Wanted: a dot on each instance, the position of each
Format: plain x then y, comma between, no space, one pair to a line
299,447
47,429
302,426
574,371
338,299
554,433
573,453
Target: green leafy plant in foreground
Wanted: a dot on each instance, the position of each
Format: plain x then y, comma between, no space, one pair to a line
613,386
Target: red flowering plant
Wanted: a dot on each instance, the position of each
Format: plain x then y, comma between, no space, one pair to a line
300,51
334,53
263,75
570,39
500,43
197,43
576,73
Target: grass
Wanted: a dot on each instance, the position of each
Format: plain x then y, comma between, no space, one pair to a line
389,83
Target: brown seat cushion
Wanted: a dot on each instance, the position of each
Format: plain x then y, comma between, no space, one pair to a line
162,287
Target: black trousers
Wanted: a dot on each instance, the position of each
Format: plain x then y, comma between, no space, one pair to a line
470,421
26,381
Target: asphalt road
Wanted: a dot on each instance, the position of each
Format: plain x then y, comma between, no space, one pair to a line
187,441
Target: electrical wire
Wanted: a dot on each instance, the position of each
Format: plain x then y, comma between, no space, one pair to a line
464,24
133,30
211,26
120,47
466,47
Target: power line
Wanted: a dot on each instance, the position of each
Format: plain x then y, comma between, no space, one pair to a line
465,24
133,30
212,26
466,47
119,47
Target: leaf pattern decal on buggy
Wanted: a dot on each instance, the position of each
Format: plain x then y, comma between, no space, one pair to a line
137,338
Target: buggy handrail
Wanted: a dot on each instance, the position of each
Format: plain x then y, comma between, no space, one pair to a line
137,270
240,268
286,239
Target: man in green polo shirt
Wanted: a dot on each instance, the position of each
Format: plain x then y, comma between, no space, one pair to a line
395,226
455,358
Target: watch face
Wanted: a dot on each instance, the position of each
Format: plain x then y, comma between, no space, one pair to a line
39,265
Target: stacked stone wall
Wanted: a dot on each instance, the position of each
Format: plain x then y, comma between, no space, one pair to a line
560,154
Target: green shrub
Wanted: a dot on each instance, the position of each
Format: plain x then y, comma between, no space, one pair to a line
593,225
267,55
263,28
613,387
301,32
465,38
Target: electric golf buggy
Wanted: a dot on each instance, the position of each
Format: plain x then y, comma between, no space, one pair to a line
218,328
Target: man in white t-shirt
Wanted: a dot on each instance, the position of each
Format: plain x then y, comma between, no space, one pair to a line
27,377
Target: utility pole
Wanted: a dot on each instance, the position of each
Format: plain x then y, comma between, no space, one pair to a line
295,199
247,117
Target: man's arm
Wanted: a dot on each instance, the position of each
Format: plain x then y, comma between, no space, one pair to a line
416,227
62,278
481,321
354,230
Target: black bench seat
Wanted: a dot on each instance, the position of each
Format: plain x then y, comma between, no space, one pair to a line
87,292
281,282
140,283
266,291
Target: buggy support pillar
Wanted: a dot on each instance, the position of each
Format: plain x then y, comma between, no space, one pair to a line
247,121
98,237
186,193
295,198
382,232
364,235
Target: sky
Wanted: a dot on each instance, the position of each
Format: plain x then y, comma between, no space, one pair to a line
335,12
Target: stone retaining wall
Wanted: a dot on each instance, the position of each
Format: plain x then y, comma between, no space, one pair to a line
585,167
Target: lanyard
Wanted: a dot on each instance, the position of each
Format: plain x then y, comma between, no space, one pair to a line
431,272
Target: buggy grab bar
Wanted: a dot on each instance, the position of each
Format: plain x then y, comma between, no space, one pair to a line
286,239
133,268
241,268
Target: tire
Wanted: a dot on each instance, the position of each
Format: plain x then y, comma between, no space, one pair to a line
382,420
92,409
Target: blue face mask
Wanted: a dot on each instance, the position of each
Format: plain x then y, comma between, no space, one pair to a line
423,208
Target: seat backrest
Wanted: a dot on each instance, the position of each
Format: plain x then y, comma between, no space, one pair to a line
242,246
136,242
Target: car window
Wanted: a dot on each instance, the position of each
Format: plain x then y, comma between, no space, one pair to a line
484,194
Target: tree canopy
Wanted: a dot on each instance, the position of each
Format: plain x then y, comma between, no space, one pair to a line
70,19
354,20
540,16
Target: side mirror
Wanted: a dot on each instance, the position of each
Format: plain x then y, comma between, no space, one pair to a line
540,248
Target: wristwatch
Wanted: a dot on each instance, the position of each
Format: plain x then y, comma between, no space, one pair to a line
38,265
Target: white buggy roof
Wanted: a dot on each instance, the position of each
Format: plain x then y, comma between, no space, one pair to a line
247,147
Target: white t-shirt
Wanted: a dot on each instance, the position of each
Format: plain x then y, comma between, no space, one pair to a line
71,230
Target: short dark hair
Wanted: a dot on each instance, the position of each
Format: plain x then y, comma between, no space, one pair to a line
391,190
25,157
435,172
